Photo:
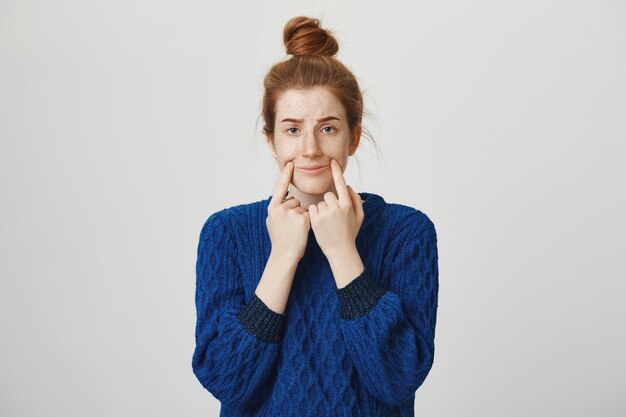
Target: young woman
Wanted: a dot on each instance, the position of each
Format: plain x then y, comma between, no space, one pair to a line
317,301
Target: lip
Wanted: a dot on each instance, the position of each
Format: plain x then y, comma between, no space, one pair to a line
314,169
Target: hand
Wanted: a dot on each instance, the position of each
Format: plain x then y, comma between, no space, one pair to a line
336,222
287,222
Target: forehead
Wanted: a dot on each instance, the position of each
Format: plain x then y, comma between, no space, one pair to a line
308,103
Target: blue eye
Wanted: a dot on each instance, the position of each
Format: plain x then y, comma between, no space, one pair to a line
290,130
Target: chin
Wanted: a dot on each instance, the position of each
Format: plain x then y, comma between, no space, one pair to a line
313,186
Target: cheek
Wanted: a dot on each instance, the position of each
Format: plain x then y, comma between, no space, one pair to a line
339,153
338,147
285,150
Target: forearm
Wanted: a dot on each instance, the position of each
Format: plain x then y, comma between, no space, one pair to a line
346,266
275,284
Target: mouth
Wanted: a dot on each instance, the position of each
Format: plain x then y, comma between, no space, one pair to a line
313,171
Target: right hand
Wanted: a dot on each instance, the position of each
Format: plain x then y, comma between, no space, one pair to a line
287,222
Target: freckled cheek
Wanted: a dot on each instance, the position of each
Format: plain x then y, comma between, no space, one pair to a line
338,153
287,153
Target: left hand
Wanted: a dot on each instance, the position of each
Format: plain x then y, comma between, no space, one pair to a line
336,222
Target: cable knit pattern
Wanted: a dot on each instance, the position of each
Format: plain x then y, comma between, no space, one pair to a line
360,350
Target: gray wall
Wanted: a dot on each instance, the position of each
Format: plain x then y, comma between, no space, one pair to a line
125,124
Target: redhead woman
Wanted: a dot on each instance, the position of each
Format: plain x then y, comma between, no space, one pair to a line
318,300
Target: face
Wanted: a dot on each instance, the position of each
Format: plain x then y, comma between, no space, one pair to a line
311,129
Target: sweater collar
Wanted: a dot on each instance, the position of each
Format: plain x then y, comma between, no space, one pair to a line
372,202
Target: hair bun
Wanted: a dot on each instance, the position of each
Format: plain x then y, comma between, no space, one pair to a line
304,36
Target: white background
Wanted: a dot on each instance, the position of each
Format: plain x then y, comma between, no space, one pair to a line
125,124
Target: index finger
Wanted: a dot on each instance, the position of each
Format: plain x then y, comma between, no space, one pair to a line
340,182
283,185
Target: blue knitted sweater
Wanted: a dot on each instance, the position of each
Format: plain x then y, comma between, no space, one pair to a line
360,350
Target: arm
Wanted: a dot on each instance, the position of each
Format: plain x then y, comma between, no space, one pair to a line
236,341
390,334
275,284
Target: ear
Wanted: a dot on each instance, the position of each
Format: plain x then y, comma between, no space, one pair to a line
270,144
355,140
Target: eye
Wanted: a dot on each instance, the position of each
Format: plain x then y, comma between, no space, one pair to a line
289,130
329,127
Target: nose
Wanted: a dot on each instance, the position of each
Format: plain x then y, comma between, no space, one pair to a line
310,146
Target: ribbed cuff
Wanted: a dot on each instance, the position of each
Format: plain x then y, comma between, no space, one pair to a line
260,321
359,296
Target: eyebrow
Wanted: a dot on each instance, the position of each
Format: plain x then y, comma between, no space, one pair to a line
323,119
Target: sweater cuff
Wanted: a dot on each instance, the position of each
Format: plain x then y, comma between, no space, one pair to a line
260,321
359,296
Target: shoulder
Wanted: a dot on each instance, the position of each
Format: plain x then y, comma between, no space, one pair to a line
406,219
236,215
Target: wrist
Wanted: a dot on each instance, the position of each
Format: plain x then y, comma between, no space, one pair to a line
340,254
346,265
283,259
